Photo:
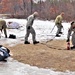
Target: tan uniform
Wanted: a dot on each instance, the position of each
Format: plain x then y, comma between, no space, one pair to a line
58,23
3,26
73,35
29,28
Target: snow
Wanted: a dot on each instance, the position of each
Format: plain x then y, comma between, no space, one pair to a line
42,28
36,1
43,33
13,25
14,67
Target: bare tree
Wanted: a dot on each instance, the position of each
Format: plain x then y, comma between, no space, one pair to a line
31,6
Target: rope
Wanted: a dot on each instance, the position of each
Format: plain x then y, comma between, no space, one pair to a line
51,46
52,28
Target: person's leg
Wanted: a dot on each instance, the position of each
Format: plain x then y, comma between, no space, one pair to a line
59,27
4,26
34,36
26,36
58,30
73,41
5,32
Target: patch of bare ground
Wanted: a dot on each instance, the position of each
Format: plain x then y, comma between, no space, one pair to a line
52,54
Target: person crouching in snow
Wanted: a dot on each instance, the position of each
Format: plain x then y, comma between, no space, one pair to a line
72,28
58,23
3,27
30,29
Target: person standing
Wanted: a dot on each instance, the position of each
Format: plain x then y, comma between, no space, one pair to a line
3,27
71,29
58,23
30,29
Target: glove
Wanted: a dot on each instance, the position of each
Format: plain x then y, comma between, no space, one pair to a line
28,27
61,26
68,40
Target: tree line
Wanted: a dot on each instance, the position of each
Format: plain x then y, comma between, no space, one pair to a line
47,9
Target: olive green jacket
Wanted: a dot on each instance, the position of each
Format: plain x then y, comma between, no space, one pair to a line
58,20
3,26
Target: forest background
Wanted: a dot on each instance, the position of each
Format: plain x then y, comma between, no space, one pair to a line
48,9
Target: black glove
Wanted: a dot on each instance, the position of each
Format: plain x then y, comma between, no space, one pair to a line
67,40
28,27
61,26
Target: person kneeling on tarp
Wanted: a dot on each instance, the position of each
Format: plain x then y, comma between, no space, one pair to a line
4,53
72,28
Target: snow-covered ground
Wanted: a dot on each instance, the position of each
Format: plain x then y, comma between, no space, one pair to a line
43,33
14,67
42,28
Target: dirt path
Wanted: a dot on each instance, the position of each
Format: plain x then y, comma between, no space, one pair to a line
50,55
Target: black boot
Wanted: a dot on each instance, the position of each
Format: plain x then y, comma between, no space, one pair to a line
26,42
60,32
57,35
35,42
4,60
73,47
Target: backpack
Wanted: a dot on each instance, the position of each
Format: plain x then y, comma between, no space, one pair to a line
4,53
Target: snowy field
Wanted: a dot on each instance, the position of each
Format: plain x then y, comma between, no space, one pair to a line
42,28
43,33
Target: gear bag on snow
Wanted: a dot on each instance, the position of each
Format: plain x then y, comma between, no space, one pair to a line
4,53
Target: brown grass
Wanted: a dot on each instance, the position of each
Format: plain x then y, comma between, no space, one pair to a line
49,55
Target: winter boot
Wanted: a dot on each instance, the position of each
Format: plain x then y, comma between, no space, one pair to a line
73,47
57,35
26,42
60,32
35,42
4,60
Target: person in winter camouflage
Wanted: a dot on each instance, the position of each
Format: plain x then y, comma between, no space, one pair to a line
3,27
30,29
58,23
72,28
